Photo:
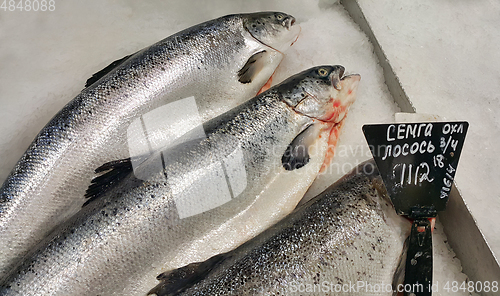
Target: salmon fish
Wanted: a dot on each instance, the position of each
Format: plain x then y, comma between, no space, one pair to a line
348,240
220,63
211,194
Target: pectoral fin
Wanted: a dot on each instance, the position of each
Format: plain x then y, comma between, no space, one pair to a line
252,67
297,153
178,280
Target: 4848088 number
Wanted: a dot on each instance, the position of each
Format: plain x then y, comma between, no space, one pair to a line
28,5
471,286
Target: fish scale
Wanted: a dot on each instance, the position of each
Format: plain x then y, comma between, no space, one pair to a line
350,233
48,183
119,242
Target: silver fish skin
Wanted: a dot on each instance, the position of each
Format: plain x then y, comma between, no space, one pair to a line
117,244
338,243
222,63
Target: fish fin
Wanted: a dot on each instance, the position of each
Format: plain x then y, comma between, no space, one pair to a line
116,171
297,153
252,67
176,281
105,71
399,274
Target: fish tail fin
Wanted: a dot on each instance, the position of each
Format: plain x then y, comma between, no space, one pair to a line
176,281
116,171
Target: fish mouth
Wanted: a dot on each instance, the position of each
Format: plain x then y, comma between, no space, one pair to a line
347,86
289,22
337,108
333,79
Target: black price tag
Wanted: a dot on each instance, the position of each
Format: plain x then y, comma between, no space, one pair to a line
417,162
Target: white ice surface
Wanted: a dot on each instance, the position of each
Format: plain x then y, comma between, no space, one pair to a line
447,267
45,58
447,56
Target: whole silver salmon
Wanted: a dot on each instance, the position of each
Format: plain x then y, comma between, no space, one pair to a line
221,63
348,240
212,195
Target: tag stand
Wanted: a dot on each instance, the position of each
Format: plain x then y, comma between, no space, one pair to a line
418,270
417,162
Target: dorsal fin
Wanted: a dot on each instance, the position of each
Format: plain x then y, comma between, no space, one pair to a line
252,67
105,71
178,280
117,170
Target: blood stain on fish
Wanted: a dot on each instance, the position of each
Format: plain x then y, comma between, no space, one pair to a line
267,85
332,143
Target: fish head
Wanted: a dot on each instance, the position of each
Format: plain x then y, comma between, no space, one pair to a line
323,92
274,29
322,95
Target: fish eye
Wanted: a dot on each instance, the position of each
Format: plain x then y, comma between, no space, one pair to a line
322,72
279,17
